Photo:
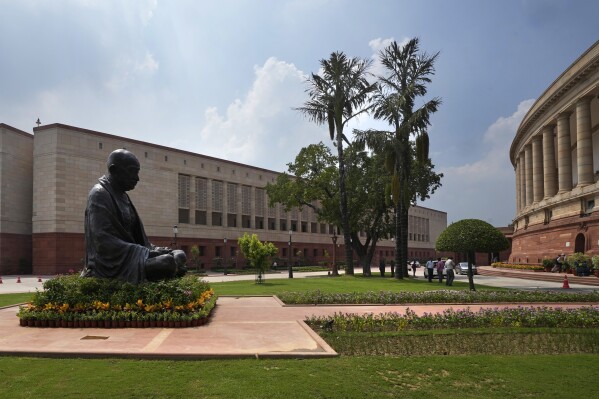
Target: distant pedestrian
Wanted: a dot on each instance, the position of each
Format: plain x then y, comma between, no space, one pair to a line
440,268
382,267
430,266
414,267
558,264
449,266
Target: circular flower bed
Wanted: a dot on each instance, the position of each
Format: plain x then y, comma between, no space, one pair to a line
72,301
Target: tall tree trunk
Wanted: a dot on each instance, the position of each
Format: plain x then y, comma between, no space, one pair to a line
401,212
403,225
399,271
370,255
470,276
349,264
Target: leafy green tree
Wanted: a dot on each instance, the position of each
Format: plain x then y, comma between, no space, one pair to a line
256,252
312,181
194,255
470,236
338,93
408,71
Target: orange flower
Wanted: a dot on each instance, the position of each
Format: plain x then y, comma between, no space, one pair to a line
149,308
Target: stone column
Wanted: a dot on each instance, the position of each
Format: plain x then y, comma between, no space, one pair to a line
537,168
528,173
522,180
584,142
564,153
549,175
517,172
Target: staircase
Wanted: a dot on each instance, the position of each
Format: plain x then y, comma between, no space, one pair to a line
540,276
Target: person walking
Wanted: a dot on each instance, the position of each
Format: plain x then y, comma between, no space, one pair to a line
440,267
430,266
414,267
450,265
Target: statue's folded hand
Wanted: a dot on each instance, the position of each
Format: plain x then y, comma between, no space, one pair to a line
157,251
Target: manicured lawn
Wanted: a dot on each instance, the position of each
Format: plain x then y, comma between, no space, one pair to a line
357,283
275,285
11,299
344,377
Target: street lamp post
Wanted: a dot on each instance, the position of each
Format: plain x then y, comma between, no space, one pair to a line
289,256
175,231
225,255
334,238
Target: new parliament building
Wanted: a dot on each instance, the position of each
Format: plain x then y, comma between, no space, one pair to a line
555,155
45,178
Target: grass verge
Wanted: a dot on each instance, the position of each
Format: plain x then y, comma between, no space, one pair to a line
339,284
12,299
478,376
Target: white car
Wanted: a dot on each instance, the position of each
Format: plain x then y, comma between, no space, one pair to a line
435,272
462,268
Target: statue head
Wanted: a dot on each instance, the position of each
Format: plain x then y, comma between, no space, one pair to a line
123,169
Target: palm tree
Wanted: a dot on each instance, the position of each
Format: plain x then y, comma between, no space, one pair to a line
407,73
338,93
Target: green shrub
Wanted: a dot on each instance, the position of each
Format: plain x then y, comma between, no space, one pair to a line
71,297
436,296
520,317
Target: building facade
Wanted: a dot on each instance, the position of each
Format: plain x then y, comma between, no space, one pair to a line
206,198
16,178
555,155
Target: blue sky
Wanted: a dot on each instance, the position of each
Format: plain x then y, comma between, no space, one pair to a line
221,77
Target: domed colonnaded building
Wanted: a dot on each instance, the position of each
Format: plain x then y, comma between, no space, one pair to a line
555,155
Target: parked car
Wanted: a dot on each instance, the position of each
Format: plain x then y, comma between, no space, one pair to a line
410,264
462,268
435,272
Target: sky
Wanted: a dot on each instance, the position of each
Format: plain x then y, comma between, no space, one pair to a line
222,78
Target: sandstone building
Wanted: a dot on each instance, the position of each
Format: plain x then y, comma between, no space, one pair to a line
45,179
555,155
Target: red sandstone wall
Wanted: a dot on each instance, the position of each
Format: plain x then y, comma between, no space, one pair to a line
548,241
15,249
55,253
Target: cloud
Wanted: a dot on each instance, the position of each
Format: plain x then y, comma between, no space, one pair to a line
471,190
261,128
147,10
147,65
377,45
127,70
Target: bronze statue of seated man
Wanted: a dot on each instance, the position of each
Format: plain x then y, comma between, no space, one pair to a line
116,245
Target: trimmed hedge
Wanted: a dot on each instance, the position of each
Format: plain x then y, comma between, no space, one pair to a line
518,266
317,297
520,317
113,303
522,330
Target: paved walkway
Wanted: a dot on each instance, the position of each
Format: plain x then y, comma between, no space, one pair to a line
516,280
257,327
